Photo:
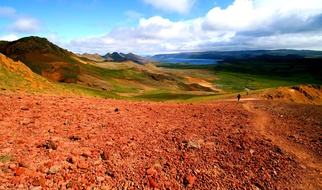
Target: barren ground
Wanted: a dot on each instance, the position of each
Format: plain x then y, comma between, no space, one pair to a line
54,142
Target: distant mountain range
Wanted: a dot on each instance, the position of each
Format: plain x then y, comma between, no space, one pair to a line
242,55
117,57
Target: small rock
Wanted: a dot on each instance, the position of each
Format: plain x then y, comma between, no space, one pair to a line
51,144
70,184
105,155
43,169
49,163
152,182
36,182
54,169
20,186
16,179
67,122
116,110
150,171
100,179
279,150
12,166
23,163
75,138
190,180
87,153
20,171
106,187
42,181
82,165
35,188
274,172
25,122
74,159
98,161
34,175
94,152
194,144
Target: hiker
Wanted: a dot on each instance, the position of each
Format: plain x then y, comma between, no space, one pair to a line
247,91
238,96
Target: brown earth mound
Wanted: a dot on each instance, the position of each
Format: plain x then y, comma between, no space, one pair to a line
53,142
311,94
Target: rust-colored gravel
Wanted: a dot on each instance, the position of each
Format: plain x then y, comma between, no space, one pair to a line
53,142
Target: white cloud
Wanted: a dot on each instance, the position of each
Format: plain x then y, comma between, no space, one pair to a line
132,15
160,28
26,25
10,37
246,24
179,6
54,38
19,23
239,15
285,6
7,12
288,41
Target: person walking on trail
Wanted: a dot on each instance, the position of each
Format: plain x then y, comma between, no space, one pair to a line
238,96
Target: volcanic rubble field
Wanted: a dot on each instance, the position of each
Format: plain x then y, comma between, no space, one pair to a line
53,142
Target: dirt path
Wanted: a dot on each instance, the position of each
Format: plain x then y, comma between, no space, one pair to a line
309,162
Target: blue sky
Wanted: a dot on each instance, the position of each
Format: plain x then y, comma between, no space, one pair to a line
165,26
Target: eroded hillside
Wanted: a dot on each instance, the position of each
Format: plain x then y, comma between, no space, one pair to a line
311,94
16,75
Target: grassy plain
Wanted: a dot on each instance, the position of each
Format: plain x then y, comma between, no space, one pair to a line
234,77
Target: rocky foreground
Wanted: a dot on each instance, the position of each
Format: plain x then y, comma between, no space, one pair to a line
53,142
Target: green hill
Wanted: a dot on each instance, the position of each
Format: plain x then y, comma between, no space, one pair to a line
125,78
43,58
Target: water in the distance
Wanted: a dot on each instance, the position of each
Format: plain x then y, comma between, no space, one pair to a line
190,61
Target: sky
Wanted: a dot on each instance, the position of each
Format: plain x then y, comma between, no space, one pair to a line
148,27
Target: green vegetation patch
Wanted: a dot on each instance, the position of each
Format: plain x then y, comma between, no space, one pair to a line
5,158
236,82
128,73
186,66
301,71
166,96
81,90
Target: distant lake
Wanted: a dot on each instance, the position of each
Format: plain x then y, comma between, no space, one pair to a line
190,61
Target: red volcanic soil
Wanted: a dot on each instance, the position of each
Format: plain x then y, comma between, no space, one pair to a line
53,142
